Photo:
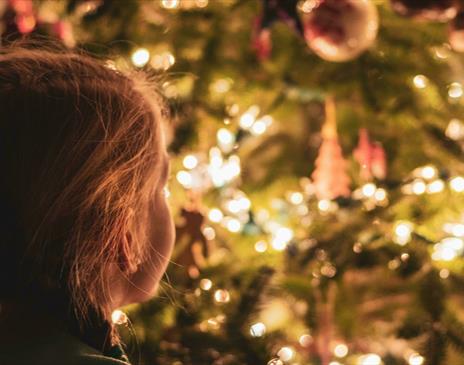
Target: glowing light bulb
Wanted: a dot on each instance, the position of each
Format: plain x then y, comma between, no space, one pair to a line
206,284
257,329
222,296
225,139
285,353
458,230
170,4
119,317
436,186
419,187
215,215
324,205
444,273
190,162
403,232
246,120
233,225
296,198
140,57
380,195
457,184
428,172
370,359
209,233
455,90
305,340
341,350
368,190
258,128
281,238
184,178
415,359
261,246
201,3
420,81
455,129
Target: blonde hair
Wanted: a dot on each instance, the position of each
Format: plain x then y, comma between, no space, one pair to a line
79,146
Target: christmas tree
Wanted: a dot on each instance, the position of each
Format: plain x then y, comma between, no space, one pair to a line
318,182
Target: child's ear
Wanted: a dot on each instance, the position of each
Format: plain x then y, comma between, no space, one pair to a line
126,260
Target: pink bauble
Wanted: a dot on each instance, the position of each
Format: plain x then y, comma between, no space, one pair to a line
339,30
456,32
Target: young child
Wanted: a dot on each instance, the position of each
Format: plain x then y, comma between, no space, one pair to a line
84,221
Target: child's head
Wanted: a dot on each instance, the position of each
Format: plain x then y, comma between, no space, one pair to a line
84,168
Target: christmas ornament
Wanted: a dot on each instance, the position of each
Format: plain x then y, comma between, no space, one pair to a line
456,32
433,10
339,30
191,239
330,177
274,10
25,18
64,32
371,157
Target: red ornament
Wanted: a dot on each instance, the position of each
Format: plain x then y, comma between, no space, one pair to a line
25,18
273,11
64,31
339,30
371,157
456,32
330,177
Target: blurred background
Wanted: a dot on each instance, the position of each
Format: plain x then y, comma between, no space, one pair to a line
317,175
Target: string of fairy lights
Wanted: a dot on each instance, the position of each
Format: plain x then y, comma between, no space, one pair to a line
219,168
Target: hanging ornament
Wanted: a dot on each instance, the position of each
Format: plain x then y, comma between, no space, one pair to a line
456,32
194,248
371,157
432,10
339,30
330,177
274,10
18,18
64,31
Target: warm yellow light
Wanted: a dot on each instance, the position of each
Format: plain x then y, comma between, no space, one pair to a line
140,57
296,198
184,178
119,317
370,359
419,187
436,186
428,172
221,296
261,246
420,81
257,329
415,359
215,215
455,90
368,190
206,284
305,340
285,353
233,225
341,350
457,184
170,4
190,162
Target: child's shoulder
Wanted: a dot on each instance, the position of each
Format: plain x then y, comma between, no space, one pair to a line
57,349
